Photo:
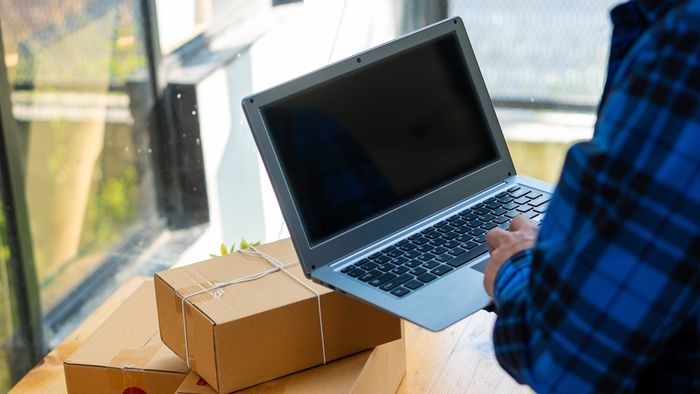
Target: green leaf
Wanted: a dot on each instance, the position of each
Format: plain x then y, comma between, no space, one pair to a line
244,244
223,249
233,247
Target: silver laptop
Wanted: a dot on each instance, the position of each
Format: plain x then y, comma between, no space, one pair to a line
390,167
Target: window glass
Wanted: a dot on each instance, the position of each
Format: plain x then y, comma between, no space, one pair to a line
87,184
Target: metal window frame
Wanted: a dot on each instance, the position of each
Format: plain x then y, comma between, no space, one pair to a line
21,267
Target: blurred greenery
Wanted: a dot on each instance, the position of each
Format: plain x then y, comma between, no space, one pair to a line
6,311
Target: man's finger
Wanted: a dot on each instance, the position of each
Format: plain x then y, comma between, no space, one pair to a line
494,237
521,222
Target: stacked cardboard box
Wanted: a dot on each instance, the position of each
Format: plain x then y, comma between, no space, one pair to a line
254,335
126,355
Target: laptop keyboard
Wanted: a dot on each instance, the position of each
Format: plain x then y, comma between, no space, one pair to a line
439,250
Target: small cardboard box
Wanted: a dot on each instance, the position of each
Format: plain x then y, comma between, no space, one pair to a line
377,371
252,332
125,354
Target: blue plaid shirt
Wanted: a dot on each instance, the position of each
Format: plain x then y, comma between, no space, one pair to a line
609,298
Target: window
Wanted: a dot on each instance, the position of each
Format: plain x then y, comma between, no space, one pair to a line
124,148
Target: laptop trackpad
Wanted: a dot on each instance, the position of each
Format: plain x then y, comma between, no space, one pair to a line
481,267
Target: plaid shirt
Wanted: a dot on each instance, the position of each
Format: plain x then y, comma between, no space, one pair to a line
609,298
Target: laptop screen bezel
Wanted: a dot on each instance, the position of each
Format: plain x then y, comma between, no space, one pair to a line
373,230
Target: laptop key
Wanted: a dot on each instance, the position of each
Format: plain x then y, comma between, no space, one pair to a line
395,253
433,234
402,242
370,266
398,260
542,208
464,238
382,259
519,193
494,205
348,268
466,215
486,218
470,255
532,214
458,222
501,194
451,244
426,257
488,226
356,272
456,251
506,200
477,231
391,283
444,257
524,208
430,264
438,241
539,201
451,235
512,189
480,239
512,214
510,206
413,263
400,270
469,245
378,281
421,241
499,211
501,220
475,223
463,229
408,247
522,200
439,250
426,277
386,267
425,248
412,254
441,270
413,284
366,277
400,291
533,195
418,271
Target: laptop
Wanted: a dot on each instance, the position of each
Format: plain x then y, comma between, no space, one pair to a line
390,167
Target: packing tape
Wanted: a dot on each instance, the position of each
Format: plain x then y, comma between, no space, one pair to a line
277,266
131,363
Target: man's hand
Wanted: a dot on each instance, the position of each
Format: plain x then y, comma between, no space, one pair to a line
504,244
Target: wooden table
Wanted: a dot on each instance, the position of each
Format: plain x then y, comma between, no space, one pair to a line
457,360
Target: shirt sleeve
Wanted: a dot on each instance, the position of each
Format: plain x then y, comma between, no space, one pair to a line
616,269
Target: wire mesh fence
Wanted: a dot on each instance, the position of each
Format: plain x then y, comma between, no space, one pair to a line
540,52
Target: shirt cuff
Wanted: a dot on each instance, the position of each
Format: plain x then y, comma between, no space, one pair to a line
513,277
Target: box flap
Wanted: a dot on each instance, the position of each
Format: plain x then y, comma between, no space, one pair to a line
129,338
243,299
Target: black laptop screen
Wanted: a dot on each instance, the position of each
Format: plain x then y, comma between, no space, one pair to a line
359,145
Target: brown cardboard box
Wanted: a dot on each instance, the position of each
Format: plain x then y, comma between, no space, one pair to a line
253,332
125,354
377,371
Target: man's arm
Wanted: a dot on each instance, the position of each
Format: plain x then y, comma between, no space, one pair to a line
616,269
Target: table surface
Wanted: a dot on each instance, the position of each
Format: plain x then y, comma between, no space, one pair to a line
457,360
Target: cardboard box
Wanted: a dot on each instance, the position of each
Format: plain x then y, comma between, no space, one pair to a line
377,371
125,354
253,332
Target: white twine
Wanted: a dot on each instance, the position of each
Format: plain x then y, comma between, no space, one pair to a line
278,266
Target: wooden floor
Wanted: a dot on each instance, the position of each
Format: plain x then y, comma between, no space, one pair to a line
457,360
